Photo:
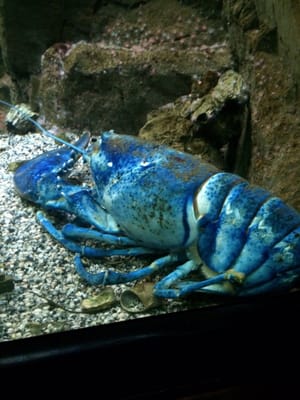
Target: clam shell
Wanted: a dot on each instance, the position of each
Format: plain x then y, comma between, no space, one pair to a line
140,298
104,300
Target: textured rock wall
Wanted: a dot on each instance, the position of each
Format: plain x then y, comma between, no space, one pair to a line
145,57
283,16
264,36
28,27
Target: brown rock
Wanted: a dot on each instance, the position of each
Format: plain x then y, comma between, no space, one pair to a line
100,87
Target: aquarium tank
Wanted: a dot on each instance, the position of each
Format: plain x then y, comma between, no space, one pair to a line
149,162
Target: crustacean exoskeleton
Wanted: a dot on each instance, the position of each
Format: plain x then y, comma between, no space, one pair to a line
150,199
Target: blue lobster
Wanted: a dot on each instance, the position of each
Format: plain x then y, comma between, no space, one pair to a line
229,236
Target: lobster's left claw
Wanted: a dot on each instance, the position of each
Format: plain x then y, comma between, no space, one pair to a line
43,181
38,180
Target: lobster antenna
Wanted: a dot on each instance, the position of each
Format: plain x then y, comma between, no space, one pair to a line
43,130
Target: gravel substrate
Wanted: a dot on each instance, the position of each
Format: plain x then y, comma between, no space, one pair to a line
42,270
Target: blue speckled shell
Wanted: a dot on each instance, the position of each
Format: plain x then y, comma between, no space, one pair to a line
147,188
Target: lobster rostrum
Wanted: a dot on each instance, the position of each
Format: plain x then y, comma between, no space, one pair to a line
230,236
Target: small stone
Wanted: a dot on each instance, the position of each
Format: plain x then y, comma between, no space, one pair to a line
6,284
12,166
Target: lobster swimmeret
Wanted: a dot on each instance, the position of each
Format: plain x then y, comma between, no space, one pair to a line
147,198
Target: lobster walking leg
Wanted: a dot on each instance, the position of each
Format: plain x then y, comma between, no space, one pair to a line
110,277
210,285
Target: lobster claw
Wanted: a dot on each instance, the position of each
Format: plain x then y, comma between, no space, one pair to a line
43,181
38,180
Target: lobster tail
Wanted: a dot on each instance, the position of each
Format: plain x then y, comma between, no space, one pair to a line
247,230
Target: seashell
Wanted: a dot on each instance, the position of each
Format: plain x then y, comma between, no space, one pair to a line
140,298
17,119
104,300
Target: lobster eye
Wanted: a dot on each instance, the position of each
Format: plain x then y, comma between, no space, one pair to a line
96,144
